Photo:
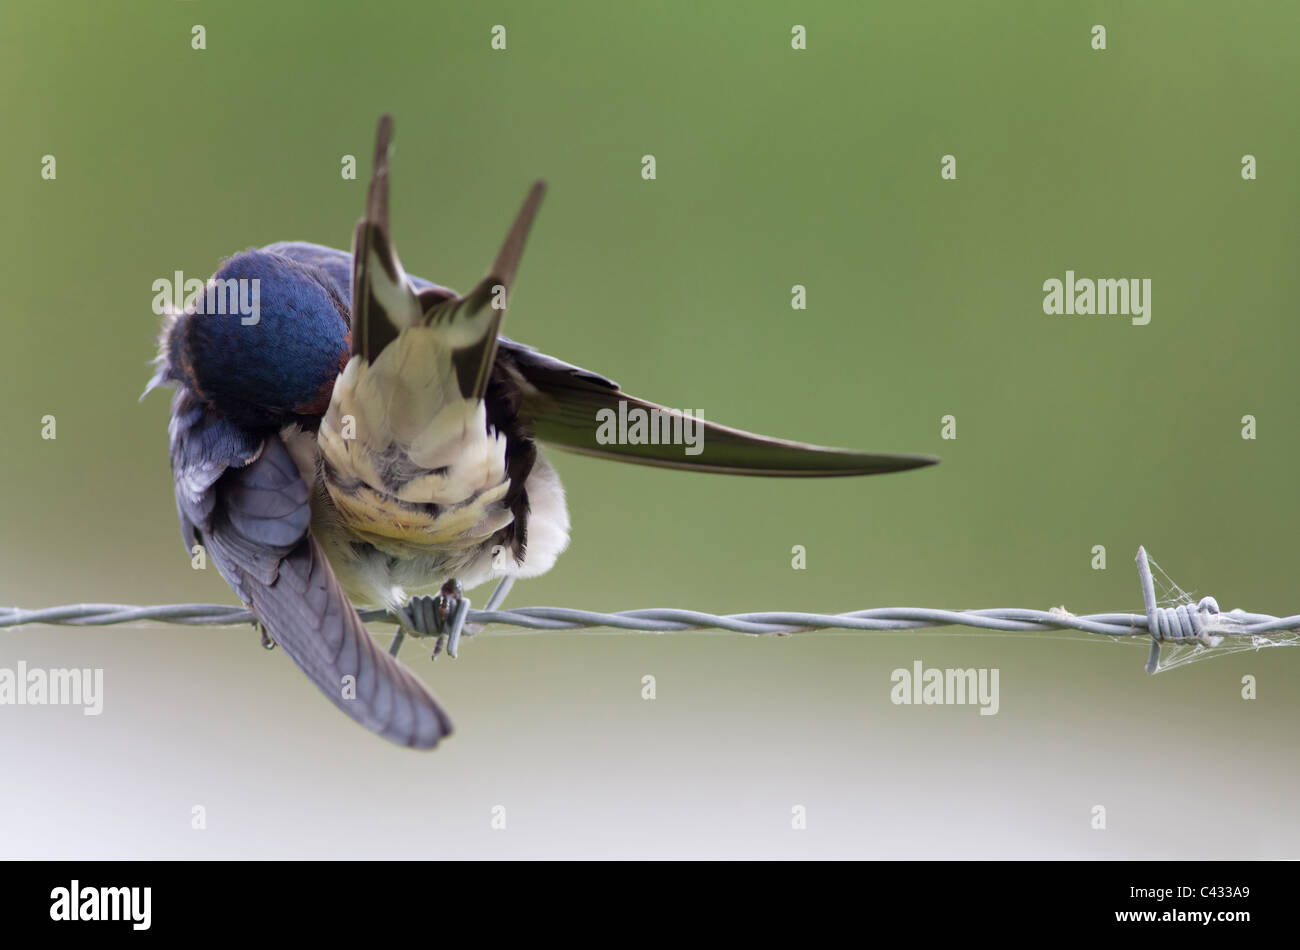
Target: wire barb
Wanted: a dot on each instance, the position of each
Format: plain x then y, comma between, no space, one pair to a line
1202,624
1179,624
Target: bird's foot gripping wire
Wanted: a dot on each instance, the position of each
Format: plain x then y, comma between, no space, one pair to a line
441,616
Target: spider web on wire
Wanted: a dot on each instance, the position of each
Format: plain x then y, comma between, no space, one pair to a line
1225,629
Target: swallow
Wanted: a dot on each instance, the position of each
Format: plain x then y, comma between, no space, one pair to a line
367,436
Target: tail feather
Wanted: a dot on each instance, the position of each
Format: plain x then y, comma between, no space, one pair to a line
383,302
470,324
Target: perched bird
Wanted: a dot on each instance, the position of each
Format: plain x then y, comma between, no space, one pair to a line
365,436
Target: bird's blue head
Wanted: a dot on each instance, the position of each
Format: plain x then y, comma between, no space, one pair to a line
264,343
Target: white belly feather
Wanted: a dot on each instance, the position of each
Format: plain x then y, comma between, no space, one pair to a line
408,480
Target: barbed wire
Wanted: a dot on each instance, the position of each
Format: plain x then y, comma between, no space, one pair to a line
1201,623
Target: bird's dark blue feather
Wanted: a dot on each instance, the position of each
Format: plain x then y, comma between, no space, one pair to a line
278,369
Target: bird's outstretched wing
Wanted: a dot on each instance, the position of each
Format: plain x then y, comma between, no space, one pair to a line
242,496
566,407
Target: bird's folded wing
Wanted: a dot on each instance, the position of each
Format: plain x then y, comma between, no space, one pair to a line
256,530
308,615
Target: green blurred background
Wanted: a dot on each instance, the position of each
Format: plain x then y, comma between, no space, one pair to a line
775,168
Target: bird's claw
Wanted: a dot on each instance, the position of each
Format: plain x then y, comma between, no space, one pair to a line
441,616
446,604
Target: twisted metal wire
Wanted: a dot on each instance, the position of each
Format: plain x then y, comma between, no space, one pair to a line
1202,624
670,619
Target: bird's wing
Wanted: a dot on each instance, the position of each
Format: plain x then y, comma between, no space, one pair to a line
566,406
243,497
